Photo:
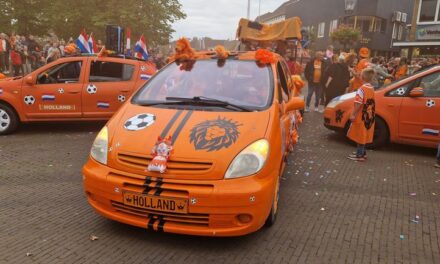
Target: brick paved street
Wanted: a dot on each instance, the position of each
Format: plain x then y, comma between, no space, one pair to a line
366,207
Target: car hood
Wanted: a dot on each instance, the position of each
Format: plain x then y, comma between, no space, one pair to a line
204,142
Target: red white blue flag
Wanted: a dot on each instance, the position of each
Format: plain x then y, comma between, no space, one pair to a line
140,49
82,42
128,43
92,44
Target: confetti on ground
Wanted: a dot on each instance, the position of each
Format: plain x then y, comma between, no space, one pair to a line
402,237
306,174
93,237
412,194
28,254
322,209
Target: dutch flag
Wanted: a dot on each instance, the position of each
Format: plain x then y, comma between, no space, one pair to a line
128,43
103,105
145,76
140,49
92,44
48,97
432,132
82,42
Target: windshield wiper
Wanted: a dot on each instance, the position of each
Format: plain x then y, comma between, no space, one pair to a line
200,100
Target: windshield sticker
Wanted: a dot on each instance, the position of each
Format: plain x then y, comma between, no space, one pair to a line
139,122
161,152
339,116
430,103
48,97
103,105
430,132
61,91
213,135
29,100
121,98
401,91
92,89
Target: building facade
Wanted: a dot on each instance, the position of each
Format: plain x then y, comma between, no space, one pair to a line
424,33
381,22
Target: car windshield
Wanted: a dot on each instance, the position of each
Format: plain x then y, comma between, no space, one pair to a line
242,83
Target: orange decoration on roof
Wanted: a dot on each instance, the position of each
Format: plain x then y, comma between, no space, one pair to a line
221,52
265,56
183,51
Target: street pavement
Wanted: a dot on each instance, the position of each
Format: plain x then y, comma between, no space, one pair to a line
332,210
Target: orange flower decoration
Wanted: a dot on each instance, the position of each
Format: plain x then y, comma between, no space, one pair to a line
264,56
221,52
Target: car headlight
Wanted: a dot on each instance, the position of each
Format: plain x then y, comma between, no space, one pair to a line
100,147
250,161
333,103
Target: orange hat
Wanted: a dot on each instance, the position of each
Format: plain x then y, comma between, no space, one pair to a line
69,49
364,52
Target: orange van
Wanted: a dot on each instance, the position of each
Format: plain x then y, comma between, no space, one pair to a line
199,149
71,88
407,111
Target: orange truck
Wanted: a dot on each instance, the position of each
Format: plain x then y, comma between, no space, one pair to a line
199,149
71,89
407,111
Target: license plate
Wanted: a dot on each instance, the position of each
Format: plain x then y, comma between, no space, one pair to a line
157,203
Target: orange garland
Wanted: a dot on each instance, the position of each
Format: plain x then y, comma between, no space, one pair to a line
264,56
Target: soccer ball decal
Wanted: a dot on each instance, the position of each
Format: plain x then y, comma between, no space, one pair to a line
401,91
61,90
92,89
121,98
140,122
143,68
430,103
29,100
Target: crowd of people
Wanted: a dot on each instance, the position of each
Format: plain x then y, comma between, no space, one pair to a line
330,74
20,55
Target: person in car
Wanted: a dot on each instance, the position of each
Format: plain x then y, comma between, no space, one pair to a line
362,118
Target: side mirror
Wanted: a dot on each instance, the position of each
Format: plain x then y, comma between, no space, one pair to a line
29,80
417,92
295,103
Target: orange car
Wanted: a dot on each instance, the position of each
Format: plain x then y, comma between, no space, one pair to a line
71,88
199,149
407,111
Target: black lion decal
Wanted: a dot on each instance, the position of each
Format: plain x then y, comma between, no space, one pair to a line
369,113
213,135
339,115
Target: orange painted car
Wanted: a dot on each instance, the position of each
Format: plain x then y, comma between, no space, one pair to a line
71,88
224,128
407,111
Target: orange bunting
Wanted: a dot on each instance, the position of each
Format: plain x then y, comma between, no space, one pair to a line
265,56
221,52
183,51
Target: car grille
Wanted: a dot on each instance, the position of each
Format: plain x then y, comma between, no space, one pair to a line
189,219
174,166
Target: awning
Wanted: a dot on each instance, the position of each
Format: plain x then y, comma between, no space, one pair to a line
284,30
416,44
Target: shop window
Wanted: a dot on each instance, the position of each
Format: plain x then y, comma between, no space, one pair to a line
321,29
428,9
333,26
103,71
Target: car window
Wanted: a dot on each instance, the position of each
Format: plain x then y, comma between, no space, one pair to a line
104,71
431,85
283,82
68,72
239,82
401,91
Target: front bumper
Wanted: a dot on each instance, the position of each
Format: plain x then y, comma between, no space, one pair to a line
335,119
213,206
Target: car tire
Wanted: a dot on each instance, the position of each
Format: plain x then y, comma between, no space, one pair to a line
8,120
271,219
381,134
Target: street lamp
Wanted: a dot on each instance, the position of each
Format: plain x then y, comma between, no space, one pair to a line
350,6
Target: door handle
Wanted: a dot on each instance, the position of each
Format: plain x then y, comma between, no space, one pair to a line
74,92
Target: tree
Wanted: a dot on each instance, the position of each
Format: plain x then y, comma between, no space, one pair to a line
153,18
346,36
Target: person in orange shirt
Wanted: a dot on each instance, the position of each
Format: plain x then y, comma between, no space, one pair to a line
362,118
364,54
315,76
402,69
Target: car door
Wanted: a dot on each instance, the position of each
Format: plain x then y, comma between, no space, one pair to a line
420,116
56,91
109,83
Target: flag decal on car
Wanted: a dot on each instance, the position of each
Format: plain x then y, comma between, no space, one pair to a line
432,132
103,105
145,76
48,97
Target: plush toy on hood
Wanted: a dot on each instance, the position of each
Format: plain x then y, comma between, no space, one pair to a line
161,152
183,51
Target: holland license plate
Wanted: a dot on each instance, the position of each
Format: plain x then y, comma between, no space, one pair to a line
156,203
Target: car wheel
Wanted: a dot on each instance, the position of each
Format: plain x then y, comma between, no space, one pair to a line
381,134
274,210
8,120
